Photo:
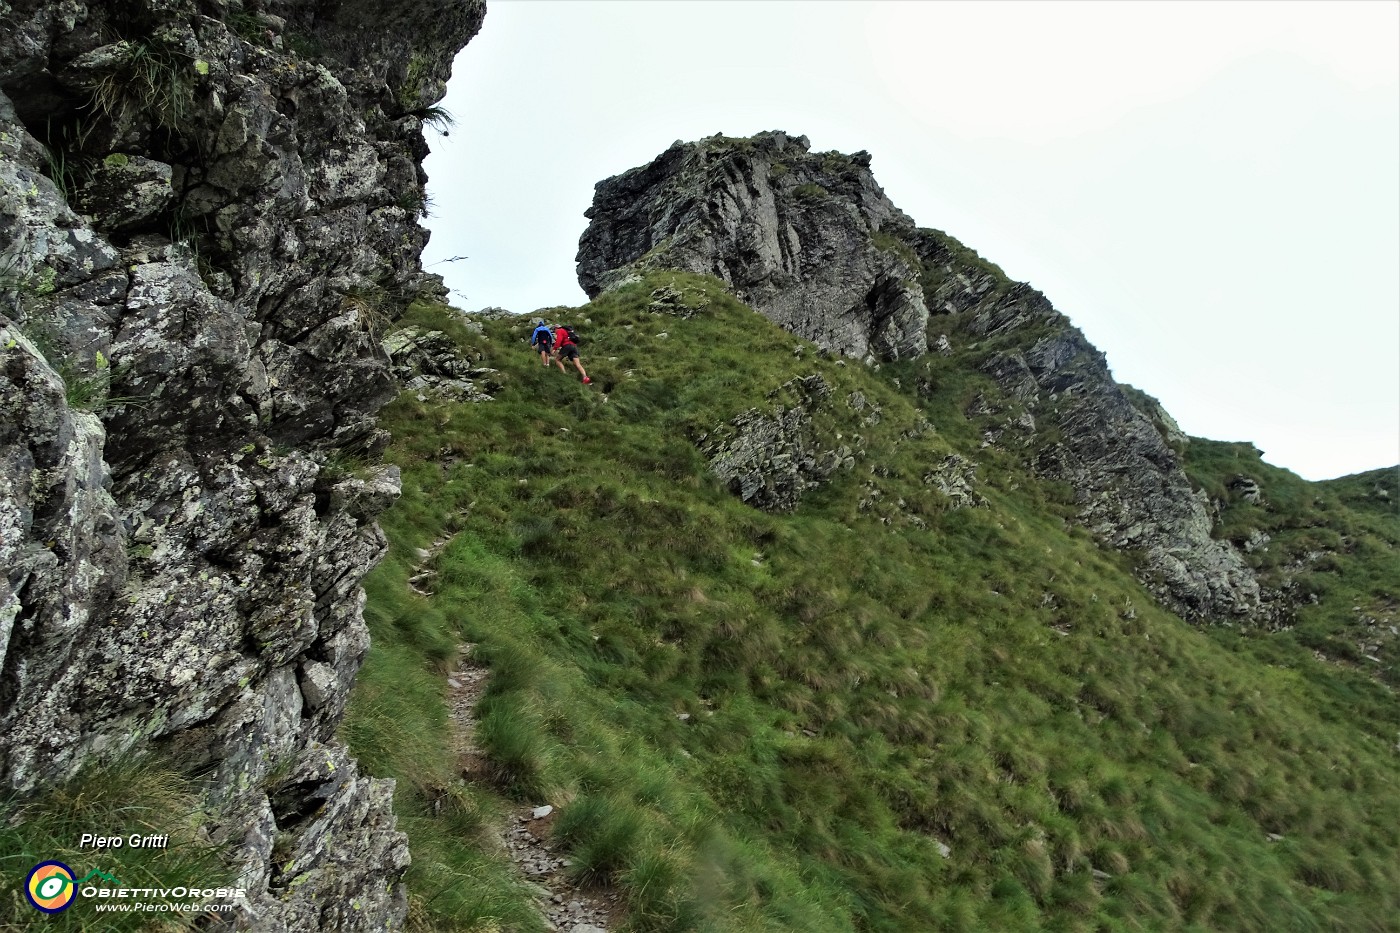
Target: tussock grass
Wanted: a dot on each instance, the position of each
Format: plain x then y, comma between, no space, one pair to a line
1334,548
144,797
760,722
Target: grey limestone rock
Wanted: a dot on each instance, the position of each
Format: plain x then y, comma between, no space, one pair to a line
770,459
194,283
808,239
60,543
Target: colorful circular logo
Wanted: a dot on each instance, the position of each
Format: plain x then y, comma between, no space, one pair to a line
50,887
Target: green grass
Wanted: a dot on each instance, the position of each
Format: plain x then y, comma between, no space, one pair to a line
398,725
146,77
762,722
1334,553
133,797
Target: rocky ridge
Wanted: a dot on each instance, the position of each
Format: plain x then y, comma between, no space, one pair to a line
208,216
1117,449
806,238
811,241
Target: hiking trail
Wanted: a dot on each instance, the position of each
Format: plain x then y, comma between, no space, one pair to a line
567,907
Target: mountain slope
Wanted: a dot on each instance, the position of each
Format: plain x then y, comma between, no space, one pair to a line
913,693
811,241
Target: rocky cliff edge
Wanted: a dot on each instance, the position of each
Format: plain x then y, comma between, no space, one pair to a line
208,214
807,239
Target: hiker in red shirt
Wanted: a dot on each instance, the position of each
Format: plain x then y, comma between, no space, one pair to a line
566,348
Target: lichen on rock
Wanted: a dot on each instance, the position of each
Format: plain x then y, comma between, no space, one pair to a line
205,228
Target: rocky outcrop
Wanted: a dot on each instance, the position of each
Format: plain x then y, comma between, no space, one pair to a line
955,478
208,214
429,364
769,460
811,241
1113,446
807,239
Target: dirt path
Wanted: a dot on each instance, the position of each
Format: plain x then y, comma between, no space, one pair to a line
567,908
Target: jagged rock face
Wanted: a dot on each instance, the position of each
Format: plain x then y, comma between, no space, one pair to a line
1116,454
207,214
806,239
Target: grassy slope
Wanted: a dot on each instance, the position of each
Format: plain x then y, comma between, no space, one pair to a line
1334,548
858,690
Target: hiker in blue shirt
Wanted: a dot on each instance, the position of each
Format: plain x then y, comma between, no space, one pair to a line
543,340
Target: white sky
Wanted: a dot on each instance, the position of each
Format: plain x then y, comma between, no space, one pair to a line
1210,190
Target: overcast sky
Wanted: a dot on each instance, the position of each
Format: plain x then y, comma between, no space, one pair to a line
1210,191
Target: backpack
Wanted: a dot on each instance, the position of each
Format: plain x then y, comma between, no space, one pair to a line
573,335
546,341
